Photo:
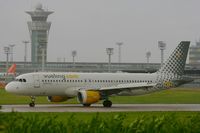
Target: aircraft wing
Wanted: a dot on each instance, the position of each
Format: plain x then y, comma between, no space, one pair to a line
123,87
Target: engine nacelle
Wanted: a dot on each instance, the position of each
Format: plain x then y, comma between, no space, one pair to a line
88,97
57,98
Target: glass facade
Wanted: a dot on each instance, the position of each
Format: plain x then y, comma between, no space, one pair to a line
39,43
194,54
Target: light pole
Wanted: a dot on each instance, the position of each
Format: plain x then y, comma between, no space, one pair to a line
74,53
148,55
11,52
7,52
119,53
109,52
162,46
25,51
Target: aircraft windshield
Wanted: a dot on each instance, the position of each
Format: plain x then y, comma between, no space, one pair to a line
20,80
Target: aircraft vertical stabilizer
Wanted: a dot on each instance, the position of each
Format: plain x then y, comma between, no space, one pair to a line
170,74
12,69
176,62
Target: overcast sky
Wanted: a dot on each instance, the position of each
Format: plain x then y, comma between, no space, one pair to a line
90,26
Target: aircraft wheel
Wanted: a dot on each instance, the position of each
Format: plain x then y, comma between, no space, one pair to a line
107,103
86,105
32,104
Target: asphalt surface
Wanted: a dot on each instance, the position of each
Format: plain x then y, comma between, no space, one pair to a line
100,108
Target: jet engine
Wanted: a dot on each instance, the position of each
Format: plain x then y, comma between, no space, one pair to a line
88,97
57,98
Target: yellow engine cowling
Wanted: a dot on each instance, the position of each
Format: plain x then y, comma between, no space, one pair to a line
57,98
88,97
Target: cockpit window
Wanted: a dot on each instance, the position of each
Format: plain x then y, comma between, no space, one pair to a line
20,80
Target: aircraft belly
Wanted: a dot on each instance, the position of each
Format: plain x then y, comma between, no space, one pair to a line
71,91
54,90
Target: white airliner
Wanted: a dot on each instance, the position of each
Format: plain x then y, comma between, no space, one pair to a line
90,88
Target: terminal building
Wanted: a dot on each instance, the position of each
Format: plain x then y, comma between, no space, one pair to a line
39,30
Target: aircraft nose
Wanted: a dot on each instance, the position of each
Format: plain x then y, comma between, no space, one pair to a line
9,87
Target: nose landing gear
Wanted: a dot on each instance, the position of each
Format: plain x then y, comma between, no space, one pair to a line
32,104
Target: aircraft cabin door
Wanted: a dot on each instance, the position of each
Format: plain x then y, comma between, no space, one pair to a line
36,81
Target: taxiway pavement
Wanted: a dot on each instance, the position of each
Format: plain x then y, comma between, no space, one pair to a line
100,108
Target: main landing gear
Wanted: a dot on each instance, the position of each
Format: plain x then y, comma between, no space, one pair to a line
107,103
32,104
86,105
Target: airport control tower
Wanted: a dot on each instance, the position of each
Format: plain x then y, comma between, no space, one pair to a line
39,30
